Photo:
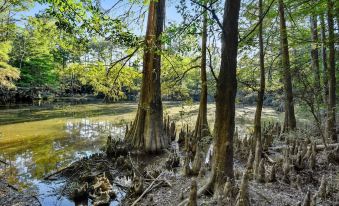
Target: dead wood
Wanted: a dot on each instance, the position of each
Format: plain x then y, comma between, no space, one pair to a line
148,189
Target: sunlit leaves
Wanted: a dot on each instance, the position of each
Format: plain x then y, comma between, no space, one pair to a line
8,74
110,85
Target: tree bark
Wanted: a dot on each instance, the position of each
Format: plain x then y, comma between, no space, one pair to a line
225,99
201,126
324,59
290,121
331,123
315,53
147,129
260,99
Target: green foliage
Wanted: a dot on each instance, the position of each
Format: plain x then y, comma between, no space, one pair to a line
110,84
86,20
8,74
33,52
180,76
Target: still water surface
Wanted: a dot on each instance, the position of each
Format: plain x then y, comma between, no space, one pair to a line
39,139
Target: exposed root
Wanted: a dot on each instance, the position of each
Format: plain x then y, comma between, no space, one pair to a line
243,196
193,194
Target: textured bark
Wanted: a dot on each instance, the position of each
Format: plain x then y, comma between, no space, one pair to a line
315,53
324,59
147,129
201,126
225,99
331,123
260,100
290,122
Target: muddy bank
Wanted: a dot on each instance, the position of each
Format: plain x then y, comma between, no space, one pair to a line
10,195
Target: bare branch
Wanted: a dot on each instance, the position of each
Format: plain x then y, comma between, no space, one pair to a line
127,58
210,64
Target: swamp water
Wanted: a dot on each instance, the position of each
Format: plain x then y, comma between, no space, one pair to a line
36,140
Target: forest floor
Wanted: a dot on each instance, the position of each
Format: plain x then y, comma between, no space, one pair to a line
169,186
166,186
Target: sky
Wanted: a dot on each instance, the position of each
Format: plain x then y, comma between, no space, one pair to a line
171,13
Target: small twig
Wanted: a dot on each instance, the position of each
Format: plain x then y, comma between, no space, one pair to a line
4,162
149,188
161,180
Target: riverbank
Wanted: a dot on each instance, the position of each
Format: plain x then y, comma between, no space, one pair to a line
10,195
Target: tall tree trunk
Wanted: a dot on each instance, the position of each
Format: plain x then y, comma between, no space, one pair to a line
225,98
290,122
201,126
315,53
331,124
324,59
260,99
147,129
315,67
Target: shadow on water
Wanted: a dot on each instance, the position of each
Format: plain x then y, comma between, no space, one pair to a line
31,160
